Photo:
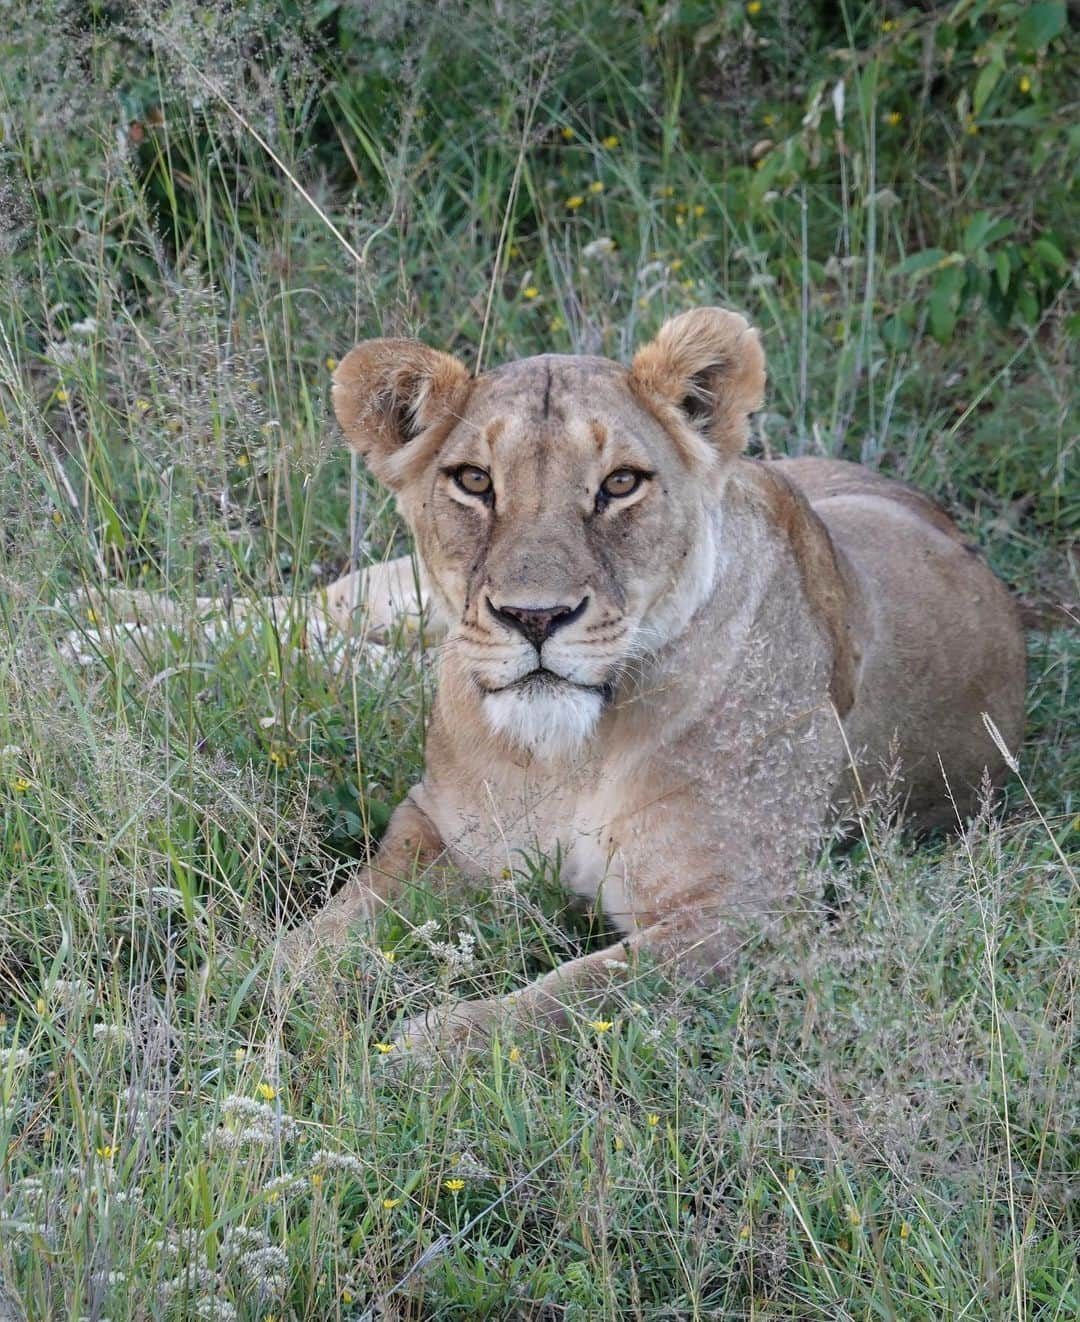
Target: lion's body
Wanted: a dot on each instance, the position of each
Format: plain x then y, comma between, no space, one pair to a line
673,688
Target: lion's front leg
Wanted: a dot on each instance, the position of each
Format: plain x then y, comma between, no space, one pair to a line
411,841
689,944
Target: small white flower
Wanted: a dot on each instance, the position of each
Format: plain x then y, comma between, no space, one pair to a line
114,1033
599,247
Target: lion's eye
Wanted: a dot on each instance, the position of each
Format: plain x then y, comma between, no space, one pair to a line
623,482
475,481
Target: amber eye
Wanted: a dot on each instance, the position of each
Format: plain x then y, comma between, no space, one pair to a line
474,480
623,482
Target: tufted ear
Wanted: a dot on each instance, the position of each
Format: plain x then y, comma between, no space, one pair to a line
708,365
392,395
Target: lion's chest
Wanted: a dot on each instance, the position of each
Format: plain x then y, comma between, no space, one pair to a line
529,820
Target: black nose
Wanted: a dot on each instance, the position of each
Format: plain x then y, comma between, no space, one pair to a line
537,623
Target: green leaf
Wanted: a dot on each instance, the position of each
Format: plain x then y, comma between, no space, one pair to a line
1028,304
1051,254
1039,26
986,82
1003,269
944,304
982,230
895,334
921,261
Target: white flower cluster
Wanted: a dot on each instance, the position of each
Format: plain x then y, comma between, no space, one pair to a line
71,994
248,1123
338,1161
263,1265
113,1033
456,957
282,1185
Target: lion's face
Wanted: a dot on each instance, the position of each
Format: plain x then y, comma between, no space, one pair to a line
564,509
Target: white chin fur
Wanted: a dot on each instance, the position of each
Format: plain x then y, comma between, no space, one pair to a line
547,722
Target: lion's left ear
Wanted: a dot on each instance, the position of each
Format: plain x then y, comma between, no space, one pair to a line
707,364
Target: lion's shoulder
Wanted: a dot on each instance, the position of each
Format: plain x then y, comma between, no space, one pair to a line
822,481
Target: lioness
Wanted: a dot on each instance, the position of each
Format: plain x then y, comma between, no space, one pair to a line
669,664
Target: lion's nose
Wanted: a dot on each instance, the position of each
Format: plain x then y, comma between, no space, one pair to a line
537,623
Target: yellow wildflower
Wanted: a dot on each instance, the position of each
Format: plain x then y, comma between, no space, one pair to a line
893,118
39,1005
346,1296
531,292
266,1091
455,1186
854,1219
142,406
754,7
971,127
383,1048
744,1232
687,284
513,251
106,1152
567,132
57,517
317,1180
618,1144
556,324
791,1175
572,203
278,758
668,190
597,186
680,221
610,142
676,264
20,785
389,955
888,25
239,1055
768,120
905,1230
699,211
242,461
331,364
652,1120
1025,84
390,1203
601,1025
515,1055
62,395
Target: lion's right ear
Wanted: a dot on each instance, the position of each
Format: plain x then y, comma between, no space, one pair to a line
389,394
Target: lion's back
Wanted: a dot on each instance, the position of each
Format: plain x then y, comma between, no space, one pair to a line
941,638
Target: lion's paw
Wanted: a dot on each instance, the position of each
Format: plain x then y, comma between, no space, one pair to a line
447,1030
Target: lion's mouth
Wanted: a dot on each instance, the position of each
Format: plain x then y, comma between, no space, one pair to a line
536,681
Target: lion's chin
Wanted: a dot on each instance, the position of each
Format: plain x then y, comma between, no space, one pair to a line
549,720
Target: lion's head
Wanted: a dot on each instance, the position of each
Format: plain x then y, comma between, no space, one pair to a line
564,509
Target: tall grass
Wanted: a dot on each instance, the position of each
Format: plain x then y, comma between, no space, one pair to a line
201,206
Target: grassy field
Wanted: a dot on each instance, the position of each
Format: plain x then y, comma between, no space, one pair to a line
201,208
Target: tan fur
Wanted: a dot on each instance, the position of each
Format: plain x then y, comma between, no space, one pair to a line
742,649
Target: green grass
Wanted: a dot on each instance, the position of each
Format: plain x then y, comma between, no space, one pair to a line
877,1117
